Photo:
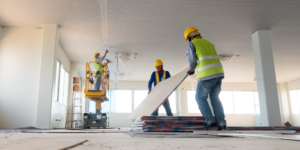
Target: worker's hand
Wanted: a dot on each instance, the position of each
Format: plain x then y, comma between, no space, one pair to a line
149,92
190,72
106,51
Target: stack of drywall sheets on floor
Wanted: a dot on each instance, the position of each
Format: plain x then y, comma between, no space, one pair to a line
169,124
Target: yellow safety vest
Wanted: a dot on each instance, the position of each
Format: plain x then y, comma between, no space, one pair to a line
208,62
157,76
98,66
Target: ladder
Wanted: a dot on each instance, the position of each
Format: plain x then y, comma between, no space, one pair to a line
74,113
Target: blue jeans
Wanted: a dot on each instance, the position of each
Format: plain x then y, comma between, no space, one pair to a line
213,88
166,104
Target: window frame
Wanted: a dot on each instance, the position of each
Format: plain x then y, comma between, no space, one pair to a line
254,105
57,83
132,100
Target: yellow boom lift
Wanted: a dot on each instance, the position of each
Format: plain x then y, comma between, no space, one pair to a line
97,119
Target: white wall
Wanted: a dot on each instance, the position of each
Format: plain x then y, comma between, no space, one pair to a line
20,60
59,111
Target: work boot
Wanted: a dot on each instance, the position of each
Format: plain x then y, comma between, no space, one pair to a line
222,128
213,126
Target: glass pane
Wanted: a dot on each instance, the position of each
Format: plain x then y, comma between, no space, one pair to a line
61,85
105,106
256,99
238,102
172,101
192,104
294,102
123,101
55,95
92,107
66,88
227,101
248,102
139,96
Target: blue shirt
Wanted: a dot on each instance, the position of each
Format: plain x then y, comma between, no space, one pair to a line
153,79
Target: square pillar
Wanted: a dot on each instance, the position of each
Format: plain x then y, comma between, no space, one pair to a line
266,79
50,38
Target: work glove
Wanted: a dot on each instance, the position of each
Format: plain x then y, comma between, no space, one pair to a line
190,72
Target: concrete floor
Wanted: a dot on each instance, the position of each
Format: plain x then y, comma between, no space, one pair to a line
122,141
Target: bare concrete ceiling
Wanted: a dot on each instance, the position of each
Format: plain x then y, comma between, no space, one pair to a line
154,30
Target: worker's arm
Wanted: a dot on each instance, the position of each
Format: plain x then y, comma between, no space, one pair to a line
192,57
168,75
103,57
151,82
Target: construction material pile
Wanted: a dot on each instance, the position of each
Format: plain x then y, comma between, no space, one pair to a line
168,124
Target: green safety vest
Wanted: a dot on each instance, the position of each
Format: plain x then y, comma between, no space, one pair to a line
208,62
98,66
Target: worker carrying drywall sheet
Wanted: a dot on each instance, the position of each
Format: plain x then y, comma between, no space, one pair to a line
157,95
204,59
155,78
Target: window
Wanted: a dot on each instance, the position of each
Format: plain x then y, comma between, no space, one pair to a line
120,101
172,101
125,101
234,102
192,104
61,89
295,101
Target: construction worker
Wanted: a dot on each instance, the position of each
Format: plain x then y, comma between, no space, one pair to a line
156,77
98,69
204,59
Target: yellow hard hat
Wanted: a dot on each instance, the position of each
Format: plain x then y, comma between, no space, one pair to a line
96,54
158,62
188,31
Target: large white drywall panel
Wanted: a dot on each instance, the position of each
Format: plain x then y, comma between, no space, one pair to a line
20,60
59,111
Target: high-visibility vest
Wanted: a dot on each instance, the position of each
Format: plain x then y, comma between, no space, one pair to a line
157,76
208,62
98,67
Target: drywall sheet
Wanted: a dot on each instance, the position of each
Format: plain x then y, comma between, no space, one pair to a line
157,96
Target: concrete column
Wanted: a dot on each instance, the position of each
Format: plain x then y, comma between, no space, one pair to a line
50,37
266,80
